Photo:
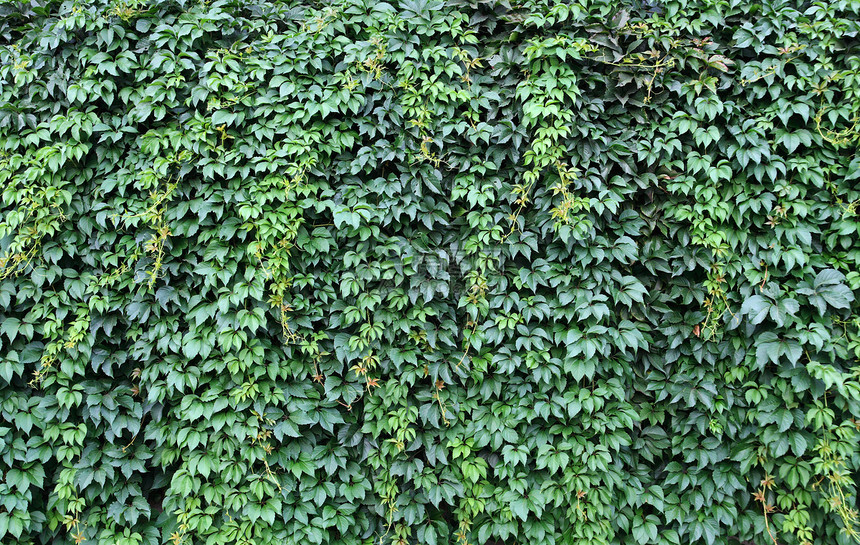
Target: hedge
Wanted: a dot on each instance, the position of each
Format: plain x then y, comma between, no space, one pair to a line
429,271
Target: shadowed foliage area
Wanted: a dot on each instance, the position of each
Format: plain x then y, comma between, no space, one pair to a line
429,272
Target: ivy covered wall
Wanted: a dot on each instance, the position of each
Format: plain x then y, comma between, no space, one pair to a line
429,272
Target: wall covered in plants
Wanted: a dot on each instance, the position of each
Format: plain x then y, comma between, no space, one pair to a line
426,272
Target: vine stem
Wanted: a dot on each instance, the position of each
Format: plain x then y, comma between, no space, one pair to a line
468,345
767,524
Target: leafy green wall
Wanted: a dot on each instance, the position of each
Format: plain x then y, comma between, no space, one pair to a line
429,272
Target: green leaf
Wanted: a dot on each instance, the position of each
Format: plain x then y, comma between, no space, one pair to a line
757,308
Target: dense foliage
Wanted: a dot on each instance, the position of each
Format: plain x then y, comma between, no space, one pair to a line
429,272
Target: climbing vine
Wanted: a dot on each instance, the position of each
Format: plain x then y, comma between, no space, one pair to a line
429,272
